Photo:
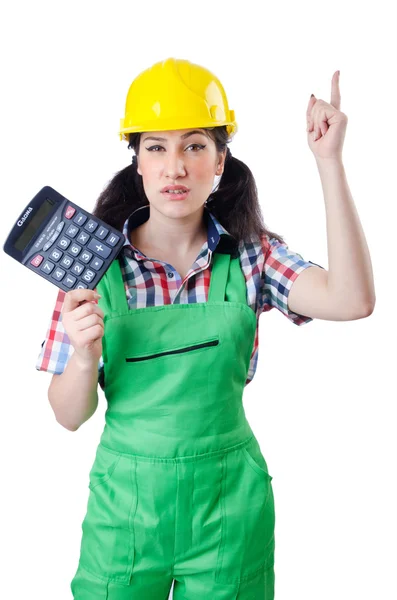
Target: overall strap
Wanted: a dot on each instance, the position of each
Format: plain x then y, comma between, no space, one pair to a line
116,290
236,290
219,277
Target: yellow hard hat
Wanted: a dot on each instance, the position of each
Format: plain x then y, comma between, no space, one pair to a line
176,94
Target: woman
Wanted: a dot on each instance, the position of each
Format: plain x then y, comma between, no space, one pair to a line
179,489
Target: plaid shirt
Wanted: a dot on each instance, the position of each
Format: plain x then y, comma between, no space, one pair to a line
269,268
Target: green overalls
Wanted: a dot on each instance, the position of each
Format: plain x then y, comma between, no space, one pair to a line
179,488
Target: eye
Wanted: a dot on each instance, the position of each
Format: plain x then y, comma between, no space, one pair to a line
200,146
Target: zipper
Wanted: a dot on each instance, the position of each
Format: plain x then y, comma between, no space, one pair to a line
186,349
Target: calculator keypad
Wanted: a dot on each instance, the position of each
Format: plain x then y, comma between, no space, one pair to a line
91,225
85,256
78,268
67,261
99,248
56,255
69,281
80,219
84,238
102,233
69,212
58,274
47,267
74,249
88,275
96,264
72,231
63,243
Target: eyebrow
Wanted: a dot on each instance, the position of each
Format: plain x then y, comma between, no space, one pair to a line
184,136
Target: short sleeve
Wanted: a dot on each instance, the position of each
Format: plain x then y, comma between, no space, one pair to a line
56,348
281,267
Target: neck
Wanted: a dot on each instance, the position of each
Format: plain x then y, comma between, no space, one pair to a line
178,236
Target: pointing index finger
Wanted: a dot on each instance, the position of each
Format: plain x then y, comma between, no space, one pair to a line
335,91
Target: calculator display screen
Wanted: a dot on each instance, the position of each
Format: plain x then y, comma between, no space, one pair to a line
34,224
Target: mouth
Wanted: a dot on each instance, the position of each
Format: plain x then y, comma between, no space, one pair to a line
175,192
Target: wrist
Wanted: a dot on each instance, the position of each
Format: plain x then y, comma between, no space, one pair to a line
335,160
84,364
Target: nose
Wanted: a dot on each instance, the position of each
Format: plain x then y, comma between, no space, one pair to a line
173,165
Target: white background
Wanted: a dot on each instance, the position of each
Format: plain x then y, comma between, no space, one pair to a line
323,400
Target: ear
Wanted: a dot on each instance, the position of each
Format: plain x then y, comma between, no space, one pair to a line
138,170
221,164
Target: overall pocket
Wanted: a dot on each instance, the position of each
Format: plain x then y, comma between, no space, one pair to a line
248,516
255,459
107,543
104,464
214,341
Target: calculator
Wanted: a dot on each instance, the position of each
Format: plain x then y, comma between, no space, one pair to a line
62,242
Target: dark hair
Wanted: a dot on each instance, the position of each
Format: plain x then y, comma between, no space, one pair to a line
234,202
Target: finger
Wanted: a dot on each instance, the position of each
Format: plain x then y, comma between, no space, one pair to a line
90,335
324,127
89,321
320,129
86,309
316,126
312,102
73,299
335,91
310,113
319,121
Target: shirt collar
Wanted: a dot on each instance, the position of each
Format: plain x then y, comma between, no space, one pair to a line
218,237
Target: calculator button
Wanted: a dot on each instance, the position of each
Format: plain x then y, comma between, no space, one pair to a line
74,249
112,239
69,281
63,243
37,260
85,256
51,241
88,275
67,261
38,245
47,266
58,274
72,231
81,286
56,254
60,226
91,225
69,212
80,219
96,263
78,268
83,238
102,233
100,249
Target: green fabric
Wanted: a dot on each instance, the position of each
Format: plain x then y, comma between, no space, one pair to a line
179,487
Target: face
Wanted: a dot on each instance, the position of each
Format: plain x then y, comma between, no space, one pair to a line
186,157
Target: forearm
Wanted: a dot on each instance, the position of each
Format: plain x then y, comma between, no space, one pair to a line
73,394
350,276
